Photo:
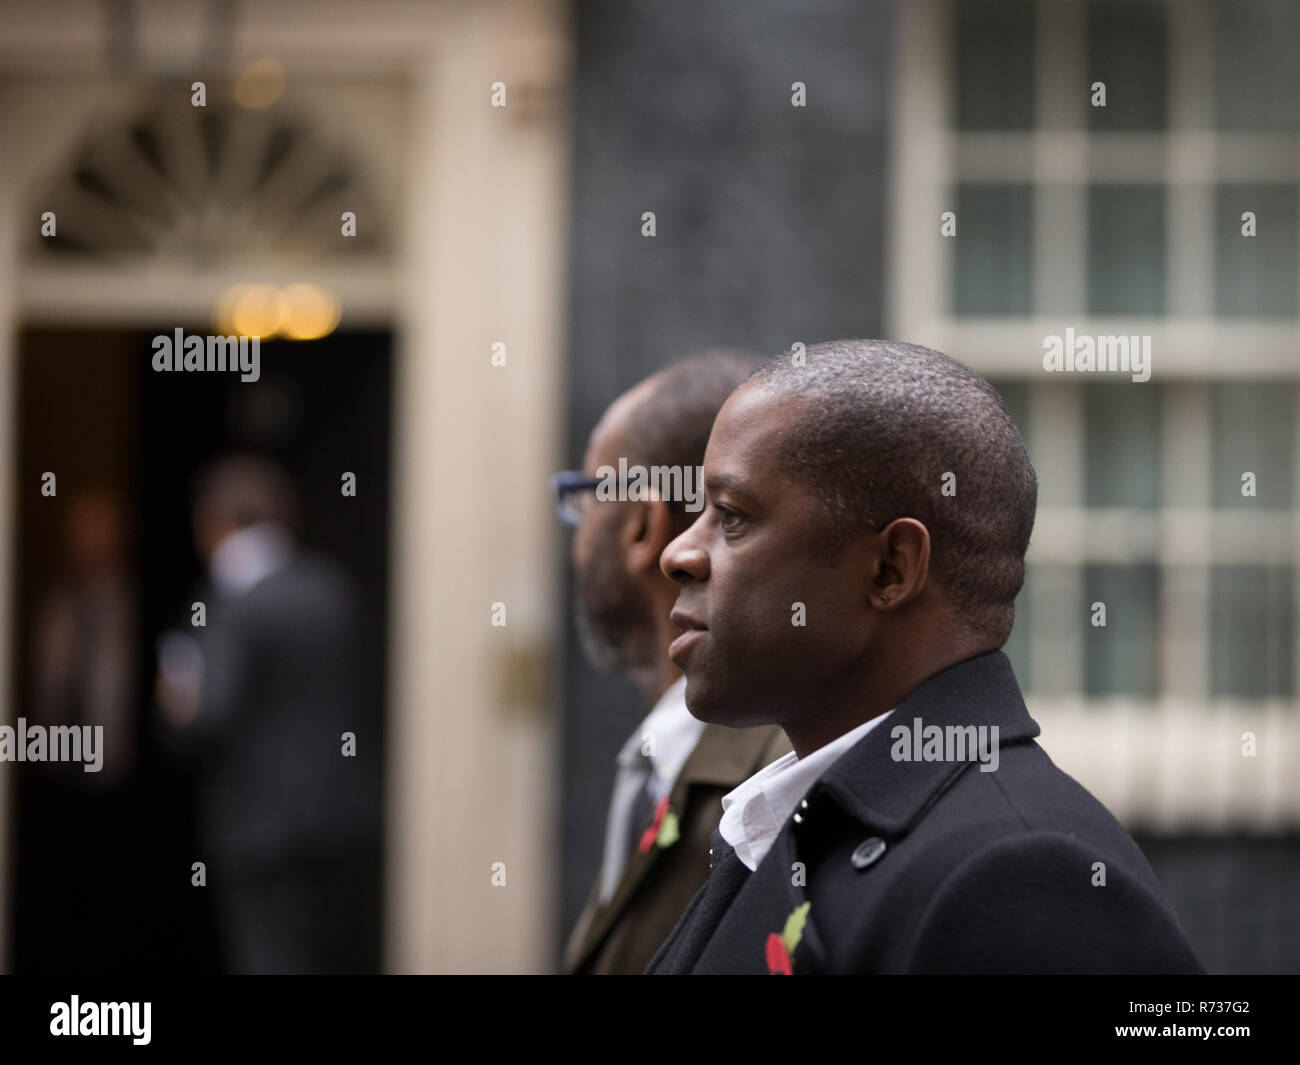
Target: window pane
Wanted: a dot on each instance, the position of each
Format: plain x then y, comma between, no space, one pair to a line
1126,249
994,85
1256,76
1255,275
1128,51
1254,431
1123,657
1122,454
1252,630
994,253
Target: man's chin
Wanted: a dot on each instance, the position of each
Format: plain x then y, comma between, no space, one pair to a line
697,699
600,647
707,704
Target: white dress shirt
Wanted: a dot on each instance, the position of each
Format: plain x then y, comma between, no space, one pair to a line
238,563
245,557
752,814
668,735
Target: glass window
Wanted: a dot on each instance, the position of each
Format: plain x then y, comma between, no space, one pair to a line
1253,426
1252,631
1122,443
1256,75
1126,249
1122,658
1255,275
994,85
994,249
1128,51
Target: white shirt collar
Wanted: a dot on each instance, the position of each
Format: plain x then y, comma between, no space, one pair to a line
668,736
753,813
245,557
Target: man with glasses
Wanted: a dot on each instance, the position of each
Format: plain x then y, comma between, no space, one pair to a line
673,770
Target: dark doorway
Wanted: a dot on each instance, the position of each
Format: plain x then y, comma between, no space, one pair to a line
102,875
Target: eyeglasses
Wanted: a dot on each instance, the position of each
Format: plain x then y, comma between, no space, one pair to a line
571,488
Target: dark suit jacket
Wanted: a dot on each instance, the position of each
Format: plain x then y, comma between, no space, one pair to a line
970,872
622,937
281,685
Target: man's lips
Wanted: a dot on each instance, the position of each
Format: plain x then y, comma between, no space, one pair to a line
685,622
692,629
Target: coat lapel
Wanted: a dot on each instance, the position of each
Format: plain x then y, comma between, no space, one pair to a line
722,756
886,796
597,918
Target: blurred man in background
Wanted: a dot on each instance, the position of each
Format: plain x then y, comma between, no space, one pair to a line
673,770
85,644
84,677
264,697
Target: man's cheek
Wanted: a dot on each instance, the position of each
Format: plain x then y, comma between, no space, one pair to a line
758,609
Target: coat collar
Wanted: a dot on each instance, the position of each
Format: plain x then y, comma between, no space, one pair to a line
727,757
889,795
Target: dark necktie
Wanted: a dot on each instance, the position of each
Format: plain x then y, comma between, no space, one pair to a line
642,813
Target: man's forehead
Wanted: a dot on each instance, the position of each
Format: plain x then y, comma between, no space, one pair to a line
752,425
605,443
748,443
602,448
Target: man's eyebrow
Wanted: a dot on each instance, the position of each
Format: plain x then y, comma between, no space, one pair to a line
727,482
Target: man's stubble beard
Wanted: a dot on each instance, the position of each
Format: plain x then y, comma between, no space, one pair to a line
610,613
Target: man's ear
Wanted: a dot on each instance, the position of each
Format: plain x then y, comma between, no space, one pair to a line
902,563
648,534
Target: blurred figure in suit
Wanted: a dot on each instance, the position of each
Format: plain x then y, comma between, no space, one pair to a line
85,644
265,698
673,770
84,675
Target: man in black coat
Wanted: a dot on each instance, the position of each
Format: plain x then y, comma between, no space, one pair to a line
852,578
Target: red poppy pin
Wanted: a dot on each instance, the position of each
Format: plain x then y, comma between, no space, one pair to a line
780,947
664,830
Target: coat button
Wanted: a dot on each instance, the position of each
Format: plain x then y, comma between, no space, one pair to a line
798,819
867,852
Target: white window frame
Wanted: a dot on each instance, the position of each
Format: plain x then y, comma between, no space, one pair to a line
1175,762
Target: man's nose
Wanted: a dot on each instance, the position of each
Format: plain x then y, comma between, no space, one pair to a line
684,560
